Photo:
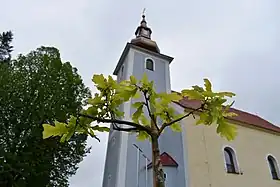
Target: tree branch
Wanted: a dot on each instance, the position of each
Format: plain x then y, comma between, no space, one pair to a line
95,137
179,119
77,122
132,124
115,127
149,111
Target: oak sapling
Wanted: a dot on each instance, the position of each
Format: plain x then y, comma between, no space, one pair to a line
104,108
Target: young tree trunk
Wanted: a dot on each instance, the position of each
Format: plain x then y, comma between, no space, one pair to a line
158,174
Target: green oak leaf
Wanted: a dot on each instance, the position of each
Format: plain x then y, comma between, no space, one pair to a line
226,130
100,129
57,130
133,80
208,85
99,80
176,127
144,120
170,96
192,94
198,88
118,113
112,83
138,104
127,92
137,114
142,135
137,95
145,80
95,101
226,94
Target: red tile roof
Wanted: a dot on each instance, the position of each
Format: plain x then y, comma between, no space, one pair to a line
166,160
243,117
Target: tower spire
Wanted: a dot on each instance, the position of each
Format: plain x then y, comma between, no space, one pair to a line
143,35
143,30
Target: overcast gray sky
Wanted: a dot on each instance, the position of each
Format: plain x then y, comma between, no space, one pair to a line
235,43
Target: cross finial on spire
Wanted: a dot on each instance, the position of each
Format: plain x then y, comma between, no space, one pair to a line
143,13
143,22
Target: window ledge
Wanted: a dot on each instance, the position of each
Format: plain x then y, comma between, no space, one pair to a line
235,173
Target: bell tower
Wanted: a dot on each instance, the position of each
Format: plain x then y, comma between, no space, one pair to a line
127,158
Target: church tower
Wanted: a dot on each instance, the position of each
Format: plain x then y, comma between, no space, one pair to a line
128,160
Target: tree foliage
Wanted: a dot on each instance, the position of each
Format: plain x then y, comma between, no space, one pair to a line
38,88
104,107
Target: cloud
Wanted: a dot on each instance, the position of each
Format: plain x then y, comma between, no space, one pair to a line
234,43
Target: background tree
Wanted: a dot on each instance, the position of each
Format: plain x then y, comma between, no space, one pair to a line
5,54
104,108
37,89
5,46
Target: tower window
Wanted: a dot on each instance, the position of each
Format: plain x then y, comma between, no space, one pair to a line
274,170
230,160
122,69
149,64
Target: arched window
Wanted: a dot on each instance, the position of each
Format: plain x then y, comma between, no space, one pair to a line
274,170
149,64
230,160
